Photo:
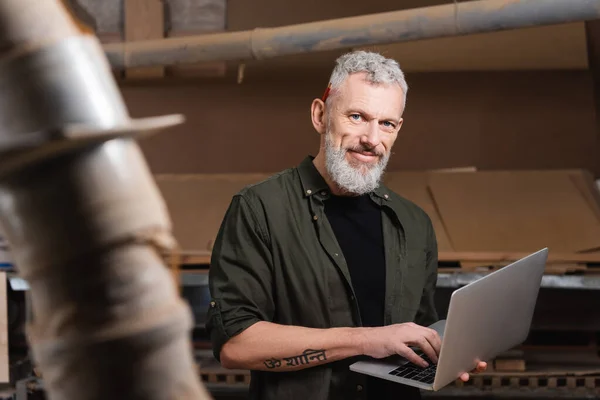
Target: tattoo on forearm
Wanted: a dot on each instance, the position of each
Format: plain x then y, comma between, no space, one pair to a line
305,358
272,363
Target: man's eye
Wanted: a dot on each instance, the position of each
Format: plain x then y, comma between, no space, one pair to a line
355,117
388,124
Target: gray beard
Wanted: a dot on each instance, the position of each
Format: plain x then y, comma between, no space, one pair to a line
352,179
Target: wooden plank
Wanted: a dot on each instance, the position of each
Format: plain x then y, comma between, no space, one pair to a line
189,259
590,382
533,383
551,269
561,269
496,382
4,354
555,261
144,19
509,365
502,256
545,374
514,211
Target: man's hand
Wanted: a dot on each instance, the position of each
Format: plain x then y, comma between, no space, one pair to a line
481,367
396,339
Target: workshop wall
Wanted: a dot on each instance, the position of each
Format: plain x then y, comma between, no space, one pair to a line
489,120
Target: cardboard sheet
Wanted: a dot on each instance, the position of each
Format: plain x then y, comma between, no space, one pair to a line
197,204
485,211
515,211
584,181
413,186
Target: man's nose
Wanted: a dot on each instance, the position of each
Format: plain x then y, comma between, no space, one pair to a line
372,136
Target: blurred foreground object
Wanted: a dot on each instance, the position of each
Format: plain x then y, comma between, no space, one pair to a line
86,223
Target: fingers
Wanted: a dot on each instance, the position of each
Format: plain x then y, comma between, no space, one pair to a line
434,338
429,341
481,367
425,345
410,334
411,356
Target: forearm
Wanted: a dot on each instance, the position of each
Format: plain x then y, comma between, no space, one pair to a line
271,347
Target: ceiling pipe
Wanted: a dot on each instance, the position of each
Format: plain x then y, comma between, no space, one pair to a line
461,18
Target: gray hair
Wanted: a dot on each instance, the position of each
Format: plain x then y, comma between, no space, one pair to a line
379,69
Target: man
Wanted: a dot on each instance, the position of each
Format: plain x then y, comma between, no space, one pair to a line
321,264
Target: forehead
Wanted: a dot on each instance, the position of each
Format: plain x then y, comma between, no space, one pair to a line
357,91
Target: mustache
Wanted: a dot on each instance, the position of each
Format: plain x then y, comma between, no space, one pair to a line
364,149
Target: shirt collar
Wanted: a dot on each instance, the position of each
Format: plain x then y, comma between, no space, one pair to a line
313,182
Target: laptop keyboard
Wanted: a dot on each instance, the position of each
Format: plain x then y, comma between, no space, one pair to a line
416,373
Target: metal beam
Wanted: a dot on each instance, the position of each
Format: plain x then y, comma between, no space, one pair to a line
462,18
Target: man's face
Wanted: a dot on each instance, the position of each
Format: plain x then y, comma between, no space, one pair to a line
363,120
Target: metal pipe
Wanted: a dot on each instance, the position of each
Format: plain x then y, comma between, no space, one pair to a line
462,18
85,220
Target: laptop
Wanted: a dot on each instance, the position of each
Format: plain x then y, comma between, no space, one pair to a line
486,317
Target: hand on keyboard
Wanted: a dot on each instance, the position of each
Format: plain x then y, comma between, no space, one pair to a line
385,341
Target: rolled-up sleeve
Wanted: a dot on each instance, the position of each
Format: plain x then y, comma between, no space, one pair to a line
427,313
240,274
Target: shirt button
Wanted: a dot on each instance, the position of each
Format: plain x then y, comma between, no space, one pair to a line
359,388
386,196
212,303
323,193
336,254
315,217
308,191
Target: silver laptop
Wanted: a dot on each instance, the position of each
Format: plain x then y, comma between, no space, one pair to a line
488,316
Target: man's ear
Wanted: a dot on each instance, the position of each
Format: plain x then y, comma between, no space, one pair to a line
317,114
400,122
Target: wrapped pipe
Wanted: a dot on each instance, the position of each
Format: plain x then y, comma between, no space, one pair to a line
453,19
86,223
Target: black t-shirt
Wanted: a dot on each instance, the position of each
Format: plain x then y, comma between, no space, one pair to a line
356,222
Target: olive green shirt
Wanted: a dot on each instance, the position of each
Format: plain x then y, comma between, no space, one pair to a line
276,259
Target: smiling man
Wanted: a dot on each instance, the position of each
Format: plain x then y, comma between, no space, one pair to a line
322,264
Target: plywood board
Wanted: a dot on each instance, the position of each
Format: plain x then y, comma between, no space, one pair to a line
197,204
515,211
413,186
